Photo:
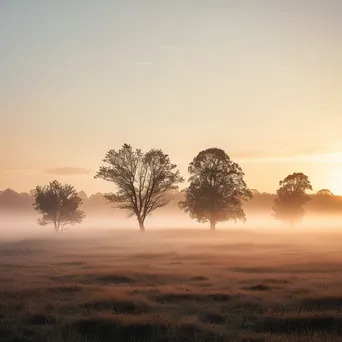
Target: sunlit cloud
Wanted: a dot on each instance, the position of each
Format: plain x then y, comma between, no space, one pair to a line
312,150
286,153
334,157
69,171
325,153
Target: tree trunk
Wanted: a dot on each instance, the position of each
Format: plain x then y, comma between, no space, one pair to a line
212,225
56,226
57,220
141,224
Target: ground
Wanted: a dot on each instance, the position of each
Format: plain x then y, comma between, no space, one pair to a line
174,285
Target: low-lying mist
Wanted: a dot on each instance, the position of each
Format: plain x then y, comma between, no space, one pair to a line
25,225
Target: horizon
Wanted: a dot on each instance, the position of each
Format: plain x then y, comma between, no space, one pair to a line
88,194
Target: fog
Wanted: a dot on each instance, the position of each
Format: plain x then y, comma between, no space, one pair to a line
18,227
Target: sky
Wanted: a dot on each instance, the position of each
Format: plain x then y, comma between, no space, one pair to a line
260,79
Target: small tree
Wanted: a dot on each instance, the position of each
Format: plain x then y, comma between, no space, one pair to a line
324,192
291,197
142,180
217,189
59,205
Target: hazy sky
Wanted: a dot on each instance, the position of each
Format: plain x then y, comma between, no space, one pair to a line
260,79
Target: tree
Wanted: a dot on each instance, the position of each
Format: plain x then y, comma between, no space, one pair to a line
255,192
217,189
59,205
82,195
324,192
291,197
142,180
32,192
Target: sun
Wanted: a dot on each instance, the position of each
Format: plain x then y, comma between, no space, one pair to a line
334,174
336,188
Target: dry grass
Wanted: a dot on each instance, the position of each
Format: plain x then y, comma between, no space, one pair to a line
171,286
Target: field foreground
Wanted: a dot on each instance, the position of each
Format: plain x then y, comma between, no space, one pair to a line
175,285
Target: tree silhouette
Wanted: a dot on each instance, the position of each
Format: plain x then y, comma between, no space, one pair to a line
142,179
82,195
291,196
216,189
32,192
59,205
255,192
324,192
11,200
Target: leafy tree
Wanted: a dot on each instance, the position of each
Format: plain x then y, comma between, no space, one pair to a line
32,192
59,205
83,196
291,197
142,179
255,192
217,189
324,192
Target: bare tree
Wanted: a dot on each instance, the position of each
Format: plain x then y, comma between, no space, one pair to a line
142,180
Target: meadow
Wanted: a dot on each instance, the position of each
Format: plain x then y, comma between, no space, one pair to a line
172,285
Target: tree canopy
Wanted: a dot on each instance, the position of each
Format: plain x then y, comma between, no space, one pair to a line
325,192
142,180
291,197
217,188
59,205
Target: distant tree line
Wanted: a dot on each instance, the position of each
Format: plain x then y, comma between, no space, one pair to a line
11,201
146,182
96,204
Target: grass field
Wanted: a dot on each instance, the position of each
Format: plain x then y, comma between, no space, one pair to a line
174,285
